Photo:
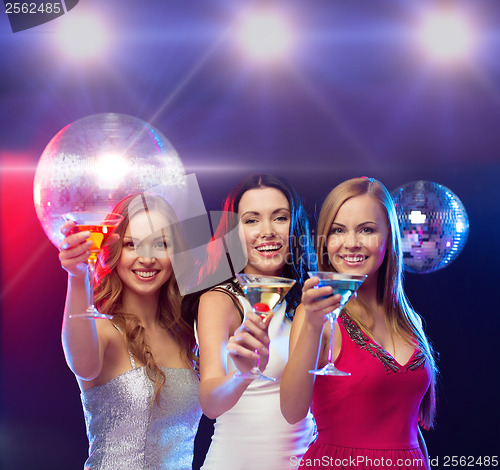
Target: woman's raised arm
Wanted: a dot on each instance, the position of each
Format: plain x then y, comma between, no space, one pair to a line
83,349
306,346
218,319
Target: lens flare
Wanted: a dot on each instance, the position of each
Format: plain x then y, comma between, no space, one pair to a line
446,36
110,170
82,36
265,35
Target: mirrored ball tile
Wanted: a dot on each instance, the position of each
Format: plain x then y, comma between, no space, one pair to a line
433,223
94,162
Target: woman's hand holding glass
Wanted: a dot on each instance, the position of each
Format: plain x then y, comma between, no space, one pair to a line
74,250
318,303
250,342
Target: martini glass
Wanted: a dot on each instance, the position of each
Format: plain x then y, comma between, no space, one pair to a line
265,294
345,285
101,225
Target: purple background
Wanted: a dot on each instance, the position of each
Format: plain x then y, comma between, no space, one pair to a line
356,97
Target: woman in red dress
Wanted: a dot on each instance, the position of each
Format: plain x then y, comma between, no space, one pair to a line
370,419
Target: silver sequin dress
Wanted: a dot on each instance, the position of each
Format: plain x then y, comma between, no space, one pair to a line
126,432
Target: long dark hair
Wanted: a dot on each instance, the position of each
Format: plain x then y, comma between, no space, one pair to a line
302,256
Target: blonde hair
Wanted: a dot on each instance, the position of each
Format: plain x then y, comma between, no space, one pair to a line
400,316
108,293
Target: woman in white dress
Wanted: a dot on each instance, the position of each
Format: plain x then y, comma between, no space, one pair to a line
250,431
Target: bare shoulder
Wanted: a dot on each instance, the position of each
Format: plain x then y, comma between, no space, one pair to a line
115,359
218,299
217,308
107,331
112,342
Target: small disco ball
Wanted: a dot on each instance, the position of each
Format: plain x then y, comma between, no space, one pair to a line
433,223
94,162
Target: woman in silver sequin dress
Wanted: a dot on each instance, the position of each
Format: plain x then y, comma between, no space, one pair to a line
139,387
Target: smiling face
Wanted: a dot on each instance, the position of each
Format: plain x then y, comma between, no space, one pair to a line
144,265
357,240
265,221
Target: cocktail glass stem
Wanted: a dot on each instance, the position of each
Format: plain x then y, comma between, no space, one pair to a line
257,361
91,311
91,269
333,318
329,368
255,370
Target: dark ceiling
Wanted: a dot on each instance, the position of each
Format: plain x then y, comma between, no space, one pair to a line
355,89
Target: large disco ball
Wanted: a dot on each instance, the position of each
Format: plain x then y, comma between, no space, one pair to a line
433,223
94,162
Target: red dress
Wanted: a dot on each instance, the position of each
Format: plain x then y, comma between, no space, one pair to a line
370,419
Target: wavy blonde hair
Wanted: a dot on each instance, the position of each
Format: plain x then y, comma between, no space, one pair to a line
400,316
108,293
